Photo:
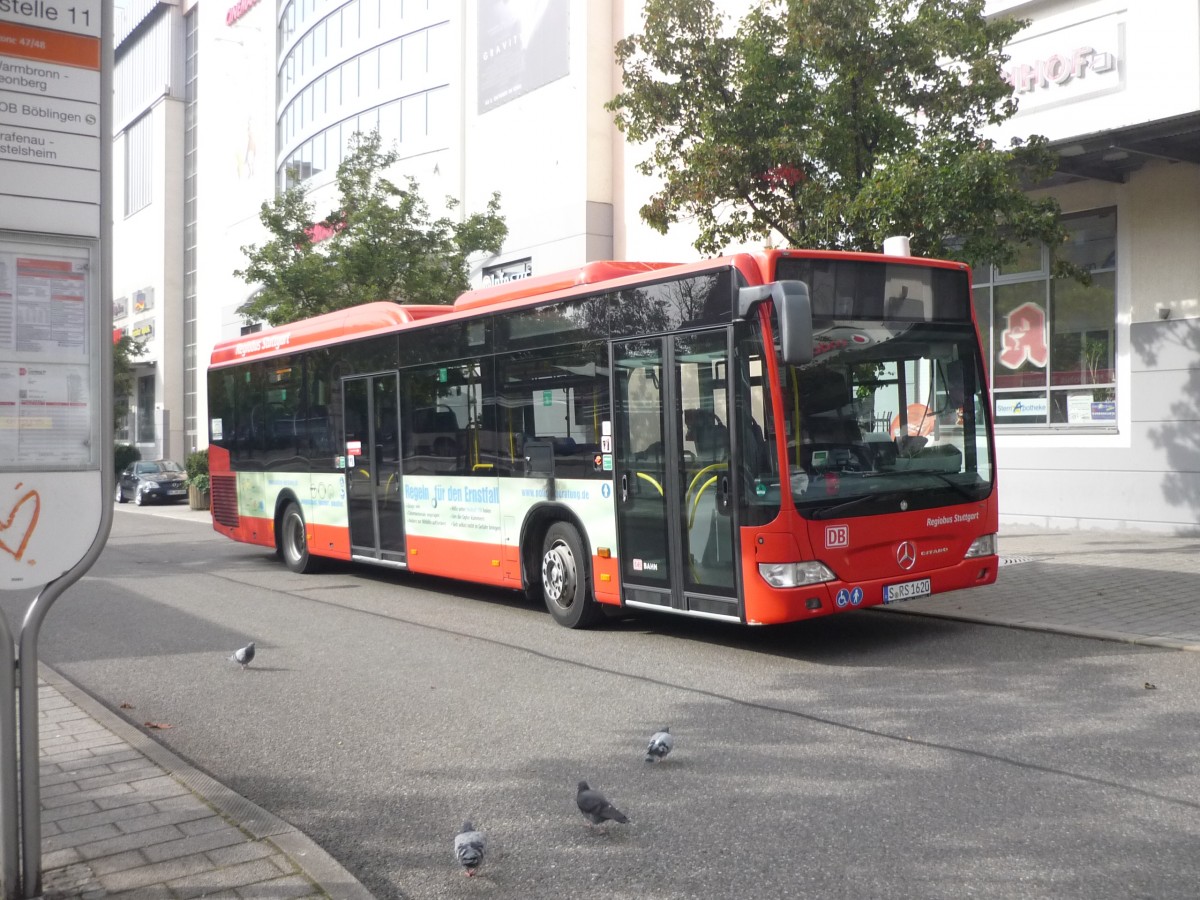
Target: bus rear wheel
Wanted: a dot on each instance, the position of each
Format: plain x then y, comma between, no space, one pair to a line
293,541
564,578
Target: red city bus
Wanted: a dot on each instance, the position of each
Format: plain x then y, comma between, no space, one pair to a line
760,438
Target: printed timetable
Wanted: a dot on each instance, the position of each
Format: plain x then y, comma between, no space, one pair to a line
45,384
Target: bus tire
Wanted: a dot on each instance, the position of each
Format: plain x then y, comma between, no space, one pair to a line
293,541
564,577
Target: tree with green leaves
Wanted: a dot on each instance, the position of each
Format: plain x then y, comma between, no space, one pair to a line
834,124
380,243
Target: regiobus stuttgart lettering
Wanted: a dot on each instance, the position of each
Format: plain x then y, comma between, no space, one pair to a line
267,342
956,519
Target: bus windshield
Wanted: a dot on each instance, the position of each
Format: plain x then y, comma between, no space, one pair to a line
891,414
887,417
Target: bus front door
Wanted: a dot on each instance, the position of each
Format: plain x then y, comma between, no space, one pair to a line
676,519
372,442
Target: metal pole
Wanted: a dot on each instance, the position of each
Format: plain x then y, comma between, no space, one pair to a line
20,776
10,880
31,776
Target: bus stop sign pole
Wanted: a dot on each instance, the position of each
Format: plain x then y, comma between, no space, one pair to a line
56,417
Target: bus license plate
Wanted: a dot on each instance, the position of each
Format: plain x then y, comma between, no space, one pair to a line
894,593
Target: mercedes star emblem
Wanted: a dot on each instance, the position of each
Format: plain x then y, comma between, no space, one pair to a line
906,554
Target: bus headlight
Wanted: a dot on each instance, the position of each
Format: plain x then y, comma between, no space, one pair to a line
790,575
985,545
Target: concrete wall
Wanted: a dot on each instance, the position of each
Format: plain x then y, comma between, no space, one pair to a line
1150,478
1146,472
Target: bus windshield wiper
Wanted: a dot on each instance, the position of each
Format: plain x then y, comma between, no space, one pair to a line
826,512
961,489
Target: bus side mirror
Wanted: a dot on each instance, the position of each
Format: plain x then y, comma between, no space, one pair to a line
794,310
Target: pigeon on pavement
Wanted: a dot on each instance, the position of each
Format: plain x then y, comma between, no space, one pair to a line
469,846
661,743
596,807
244,655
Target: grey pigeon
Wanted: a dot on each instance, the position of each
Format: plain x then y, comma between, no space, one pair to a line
596,807
469,846
244,655
661,743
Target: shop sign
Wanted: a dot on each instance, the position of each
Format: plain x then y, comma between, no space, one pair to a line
1024,406
1024,338
1027,77
1067,64
238,10
1083,410
509,271
142,330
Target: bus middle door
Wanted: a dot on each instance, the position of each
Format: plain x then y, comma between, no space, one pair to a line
373,491
676,519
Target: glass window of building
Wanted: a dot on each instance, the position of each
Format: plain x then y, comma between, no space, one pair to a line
438,52
350,81
438,109
368,72
334,27
1052,341
139,164
145,409
412,126
369,11
416,47
368,121
334,90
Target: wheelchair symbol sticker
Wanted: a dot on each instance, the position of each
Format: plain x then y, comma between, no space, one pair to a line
846,598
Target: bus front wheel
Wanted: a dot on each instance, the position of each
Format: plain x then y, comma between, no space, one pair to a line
293,541
564,578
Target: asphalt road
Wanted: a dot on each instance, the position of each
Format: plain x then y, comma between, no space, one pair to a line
866,755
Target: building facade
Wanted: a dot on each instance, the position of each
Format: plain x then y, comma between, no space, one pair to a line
148,217
1097,386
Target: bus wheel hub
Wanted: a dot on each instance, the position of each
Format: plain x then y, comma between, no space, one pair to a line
558,574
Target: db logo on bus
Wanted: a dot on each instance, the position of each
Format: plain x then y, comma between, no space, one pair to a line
837,536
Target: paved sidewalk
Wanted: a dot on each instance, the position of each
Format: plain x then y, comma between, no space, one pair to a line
1133,586
122,816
